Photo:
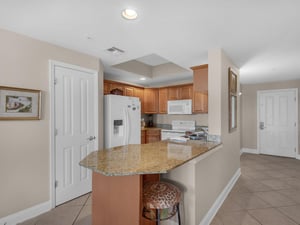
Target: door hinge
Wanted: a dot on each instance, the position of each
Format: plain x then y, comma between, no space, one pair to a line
55,81
56,132
295,124
56,184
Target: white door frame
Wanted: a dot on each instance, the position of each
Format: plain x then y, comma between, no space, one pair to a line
297,155
52,65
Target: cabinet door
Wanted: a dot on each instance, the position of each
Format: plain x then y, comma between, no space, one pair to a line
150,100
200,78
186,92
106,87
200,89
128,91
163,100
173,93
143,137
200,102
152,136
139,92
117,86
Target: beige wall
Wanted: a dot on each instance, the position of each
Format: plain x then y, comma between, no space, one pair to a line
216,170
249,109
24,145
201,119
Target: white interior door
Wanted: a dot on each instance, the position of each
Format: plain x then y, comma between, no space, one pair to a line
75,130
277,122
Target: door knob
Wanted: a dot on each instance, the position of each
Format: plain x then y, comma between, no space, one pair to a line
91,138
262,125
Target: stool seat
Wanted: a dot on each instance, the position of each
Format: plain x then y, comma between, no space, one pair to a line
161,201
160,195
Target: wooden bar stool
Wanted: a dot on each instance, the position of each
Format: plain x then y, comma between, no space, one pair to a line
161,201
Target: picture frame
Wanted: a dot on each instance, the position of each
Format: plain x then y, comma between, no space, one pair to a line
232,100
19,103
232,82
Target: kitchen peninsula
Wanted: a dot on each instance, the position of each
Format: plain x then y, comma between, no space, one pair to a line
118,175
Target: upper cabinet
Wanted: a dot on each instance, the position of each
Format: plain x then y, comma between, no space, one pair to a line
173,93
163,100
139,92
180,92
200,89
186,92
150,100
155,100
126,89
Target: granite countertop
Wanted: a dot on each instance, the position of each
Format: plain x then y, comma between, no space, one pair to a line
151,158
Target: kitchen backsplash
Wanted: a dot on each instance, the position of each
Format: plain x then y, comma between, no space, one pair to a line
201,119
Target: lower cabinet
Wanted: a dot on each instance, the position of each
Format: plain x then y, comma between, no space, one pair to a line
143,136
150,135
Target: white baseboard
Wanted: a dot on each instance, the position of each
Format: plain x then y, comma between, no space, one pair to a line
25,214
221,198
249,150
298,156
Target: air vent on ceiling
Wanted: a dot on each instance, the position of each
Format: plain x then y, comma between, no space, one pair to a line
115,51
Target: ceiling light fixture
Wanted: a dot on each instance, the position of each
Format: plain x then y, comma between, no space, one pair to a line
143,78
115,51
129,14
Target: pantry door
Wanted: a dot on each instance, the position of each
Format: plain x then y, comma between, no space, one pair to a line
76,129
277,122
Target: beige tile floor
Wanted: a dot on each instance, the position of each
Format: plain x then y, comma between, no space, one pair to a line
75,212
267,193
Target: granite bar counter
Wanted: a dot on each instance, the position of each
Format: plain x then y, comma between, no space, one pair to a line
152,158
119,174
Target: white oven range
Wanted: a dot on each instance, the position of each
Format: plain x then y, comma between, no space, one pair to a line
179,128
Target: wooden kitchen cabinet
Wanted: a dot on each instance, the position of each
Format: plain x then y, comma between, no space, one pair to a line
128,91
152,135
163,100
173,93
139,92
108,86
143,136
180,92
200,89
150,100
200,102
186,92
149,135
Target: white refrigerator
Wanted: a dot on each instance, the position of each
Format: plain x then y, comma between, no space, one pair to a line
122,120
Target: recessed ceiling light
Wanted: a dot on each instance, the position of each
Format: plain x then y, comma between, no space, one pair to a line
143,78
129,14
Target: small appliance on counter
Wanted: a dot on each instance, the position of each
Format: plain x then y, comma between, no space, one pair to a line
150,120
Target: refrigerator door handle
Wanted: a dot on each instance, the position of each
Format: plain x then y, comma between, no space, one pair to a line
125,126
128,126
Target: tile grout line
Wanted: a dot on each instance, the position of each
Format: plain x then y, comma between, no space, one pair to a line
287,215
83,205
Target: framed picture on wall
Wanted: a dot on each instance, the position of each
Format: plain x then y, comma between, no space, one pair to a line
232,100
19,103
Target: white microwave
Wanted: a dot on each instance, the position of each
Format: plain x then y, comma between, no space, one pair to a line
180,106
